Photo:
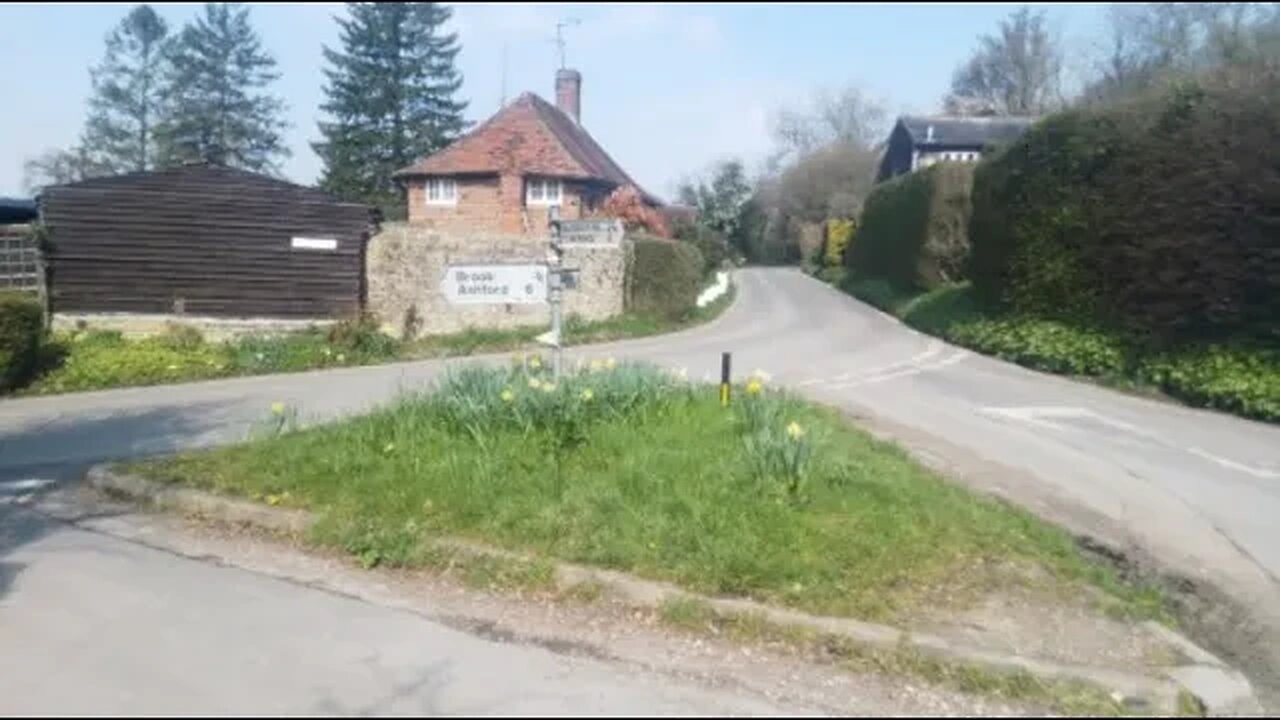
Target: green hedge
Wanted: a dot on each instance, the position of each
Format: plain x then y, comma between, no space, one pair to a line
914,229
664,278
21,328
1159,218
713,246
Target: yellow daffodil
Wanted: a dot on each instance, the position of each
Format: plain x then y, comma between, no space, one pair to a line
548,388
342,358
535,362
683,373
534,383
587,395
277,408
597,365
610,364
761,375
794,431
754,387
508,396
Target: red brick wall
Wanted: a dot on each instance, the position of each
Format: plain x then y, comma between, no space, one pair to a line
489,204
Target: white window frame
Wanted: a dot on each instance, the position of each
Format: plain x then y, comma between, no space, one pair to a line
446,191
543,197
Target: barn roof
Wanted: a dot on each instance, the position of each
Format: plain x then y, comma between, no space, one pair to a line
210,177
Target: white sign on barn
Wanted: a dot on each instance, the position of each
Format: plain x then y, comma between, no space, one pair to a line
495,284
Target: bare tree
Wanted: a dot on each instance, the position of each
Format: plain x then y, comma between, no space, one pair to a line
1017,71
57,167
848,117
1152,42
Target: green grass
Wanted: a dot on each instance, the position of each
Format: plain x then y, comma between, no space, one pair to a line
648,474
1239,378
93,360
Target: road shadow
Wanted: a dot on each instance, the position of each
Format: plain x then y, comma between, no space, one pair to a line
45,459
75,442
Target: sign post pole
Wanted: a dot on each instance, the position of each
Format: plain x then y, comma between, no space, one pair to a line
556,285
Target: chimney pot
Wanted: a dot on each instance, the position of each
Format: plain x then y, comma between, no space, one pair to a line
569,93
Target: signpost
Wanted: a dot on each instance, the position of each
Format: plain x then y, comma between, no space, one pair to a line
589,233
495,284
532,283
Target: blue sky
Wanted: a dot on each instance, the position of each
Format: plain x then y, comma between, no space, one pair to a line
667,88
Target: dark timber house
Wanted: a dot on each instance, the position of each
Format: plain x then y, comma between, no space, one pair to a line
204,240
918,142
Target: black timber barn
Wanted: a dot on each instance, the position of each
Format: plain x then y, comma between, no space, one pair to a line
204,240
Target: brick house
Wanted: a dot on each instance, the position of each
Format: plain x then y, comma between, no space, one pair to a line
504,174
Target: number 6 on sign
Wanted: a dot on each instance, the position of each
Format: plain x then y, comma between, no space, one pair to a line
495,284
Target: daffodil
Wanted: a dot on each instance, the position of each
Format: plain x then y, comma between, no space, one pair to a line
794,431
534,383
597,365
535,362
508,396
761,375
277,408
754,386
683,373
610,364
587,394
342,358
548,388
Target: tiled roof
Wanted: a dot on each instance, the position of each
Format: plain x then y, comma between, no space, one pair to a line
528,137
974,132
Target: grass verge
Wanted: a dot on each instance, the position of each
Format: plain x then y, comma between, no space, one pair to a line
633,469
1240,379
95,360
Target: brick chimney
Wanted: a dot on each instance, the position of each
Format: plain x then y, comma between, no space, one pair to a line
569,93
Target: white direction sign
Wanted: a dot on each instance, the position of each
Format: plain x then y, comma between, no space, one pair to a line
495,284
594,233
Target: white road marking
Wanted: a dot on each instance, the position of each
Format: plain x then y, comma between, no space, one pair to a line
1043,416
954,358
1233,465
933,348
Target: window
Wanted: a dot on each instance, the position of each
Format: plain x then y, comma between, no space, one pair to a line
542,191
441,191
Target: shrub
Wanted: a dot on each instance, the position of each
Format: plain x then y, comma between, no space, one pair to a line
362,334
1241,380
875,292
839,235
21,330
181,337
1157,217
914,229
712,245
664,278
626,204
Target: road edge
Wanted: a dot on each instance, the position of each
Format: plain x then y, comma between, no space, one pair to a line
1218,688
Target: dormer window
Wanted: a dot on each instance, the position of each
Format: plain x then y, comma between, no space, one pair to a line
442,191
542,191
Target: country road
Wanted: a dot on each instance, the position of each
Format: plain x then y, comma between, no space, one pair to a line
1200,491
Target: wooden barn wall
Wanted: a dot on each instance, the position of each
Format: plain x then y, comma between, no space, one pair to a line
219,243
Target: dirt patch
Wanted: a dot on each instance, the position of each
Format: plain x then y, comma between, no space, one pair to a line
1058,629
